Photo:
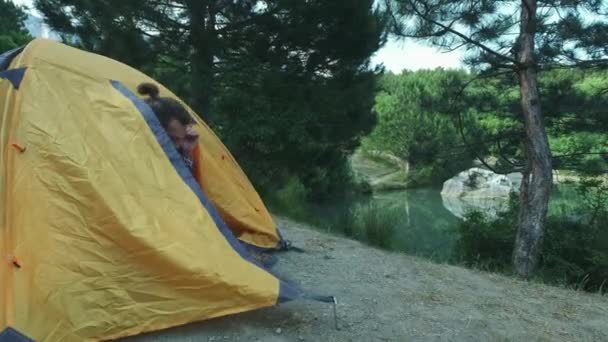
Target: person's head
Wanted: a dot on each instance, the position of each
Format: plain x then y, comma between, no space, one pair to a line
171,114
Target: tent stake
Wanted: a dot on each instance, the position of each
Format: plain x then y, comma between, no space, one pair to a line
336,313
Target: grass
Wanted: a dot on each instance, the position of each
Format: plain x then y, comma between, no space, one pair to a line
369,223
377,225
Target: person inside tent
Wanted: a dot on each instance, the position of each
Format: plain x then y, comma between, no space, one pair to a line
175,119
179,125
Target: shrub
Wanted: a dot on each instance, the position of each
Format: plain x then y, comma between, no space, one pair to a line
575,249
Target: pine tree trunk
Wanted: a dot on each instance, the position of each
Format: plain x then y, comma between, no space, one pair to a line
537,180
202,35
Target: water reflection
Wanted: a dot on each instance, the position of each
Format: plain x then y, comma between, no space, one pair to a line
415,222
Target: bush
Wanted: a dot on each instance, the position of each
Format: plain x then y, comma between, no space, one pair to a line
576,242
576,253
575,249
488,243
416,123
366,222
290,200
343,221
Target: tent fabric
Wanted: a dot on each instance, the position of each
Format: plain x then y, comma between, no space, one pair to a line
222,179
102,233
183,171
14,76
7,57
10,335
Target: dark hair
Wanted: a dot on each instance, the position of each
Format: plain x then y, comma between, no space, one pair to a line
165,108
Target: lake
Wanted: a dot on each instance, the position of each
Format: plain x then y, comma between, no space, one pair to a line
417,222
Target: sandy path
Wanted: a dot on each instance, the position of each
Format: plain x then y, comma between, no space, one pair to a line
386,296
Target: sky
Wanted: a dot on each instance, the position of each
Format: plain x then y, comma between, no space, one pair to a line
395,55
411,55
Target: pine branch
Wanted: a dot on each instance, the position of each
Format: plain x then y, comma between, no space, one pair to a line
576,63
461,121
602,91
502,155
590,62
179,67
580,154
454,48
480,77
477,156
167,4
234,26
465,38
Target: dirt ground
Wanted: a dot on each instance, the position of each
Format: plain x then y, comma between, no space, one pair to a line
387,296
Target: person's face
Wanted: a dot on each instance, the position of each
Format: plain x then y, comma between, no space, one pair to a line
178,133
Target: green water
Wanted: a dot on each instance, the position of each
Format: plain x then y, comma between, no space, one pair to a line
416,222
419,222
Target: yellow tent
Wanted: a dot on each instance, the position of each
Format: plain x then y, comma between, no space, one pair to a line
103,231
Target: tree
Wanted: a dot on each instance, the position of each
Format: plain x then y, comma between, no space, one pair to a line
12,28
520,37
286,83
414,123
298,102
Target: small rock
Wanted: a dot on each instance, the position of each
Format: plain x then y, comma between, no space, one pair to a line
301,338
279,331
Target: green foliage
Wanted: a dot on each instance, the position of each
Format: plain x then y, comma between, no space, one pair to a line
566,32
377,225
487,243
12,28
366,222
574,100
302,115
577,240
582,151
415,123
575,110
286,84
290,199
575,251
415,223
518,38
419,117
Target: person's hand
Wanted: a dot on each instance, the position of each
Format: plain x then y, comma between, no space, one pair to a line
191,139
